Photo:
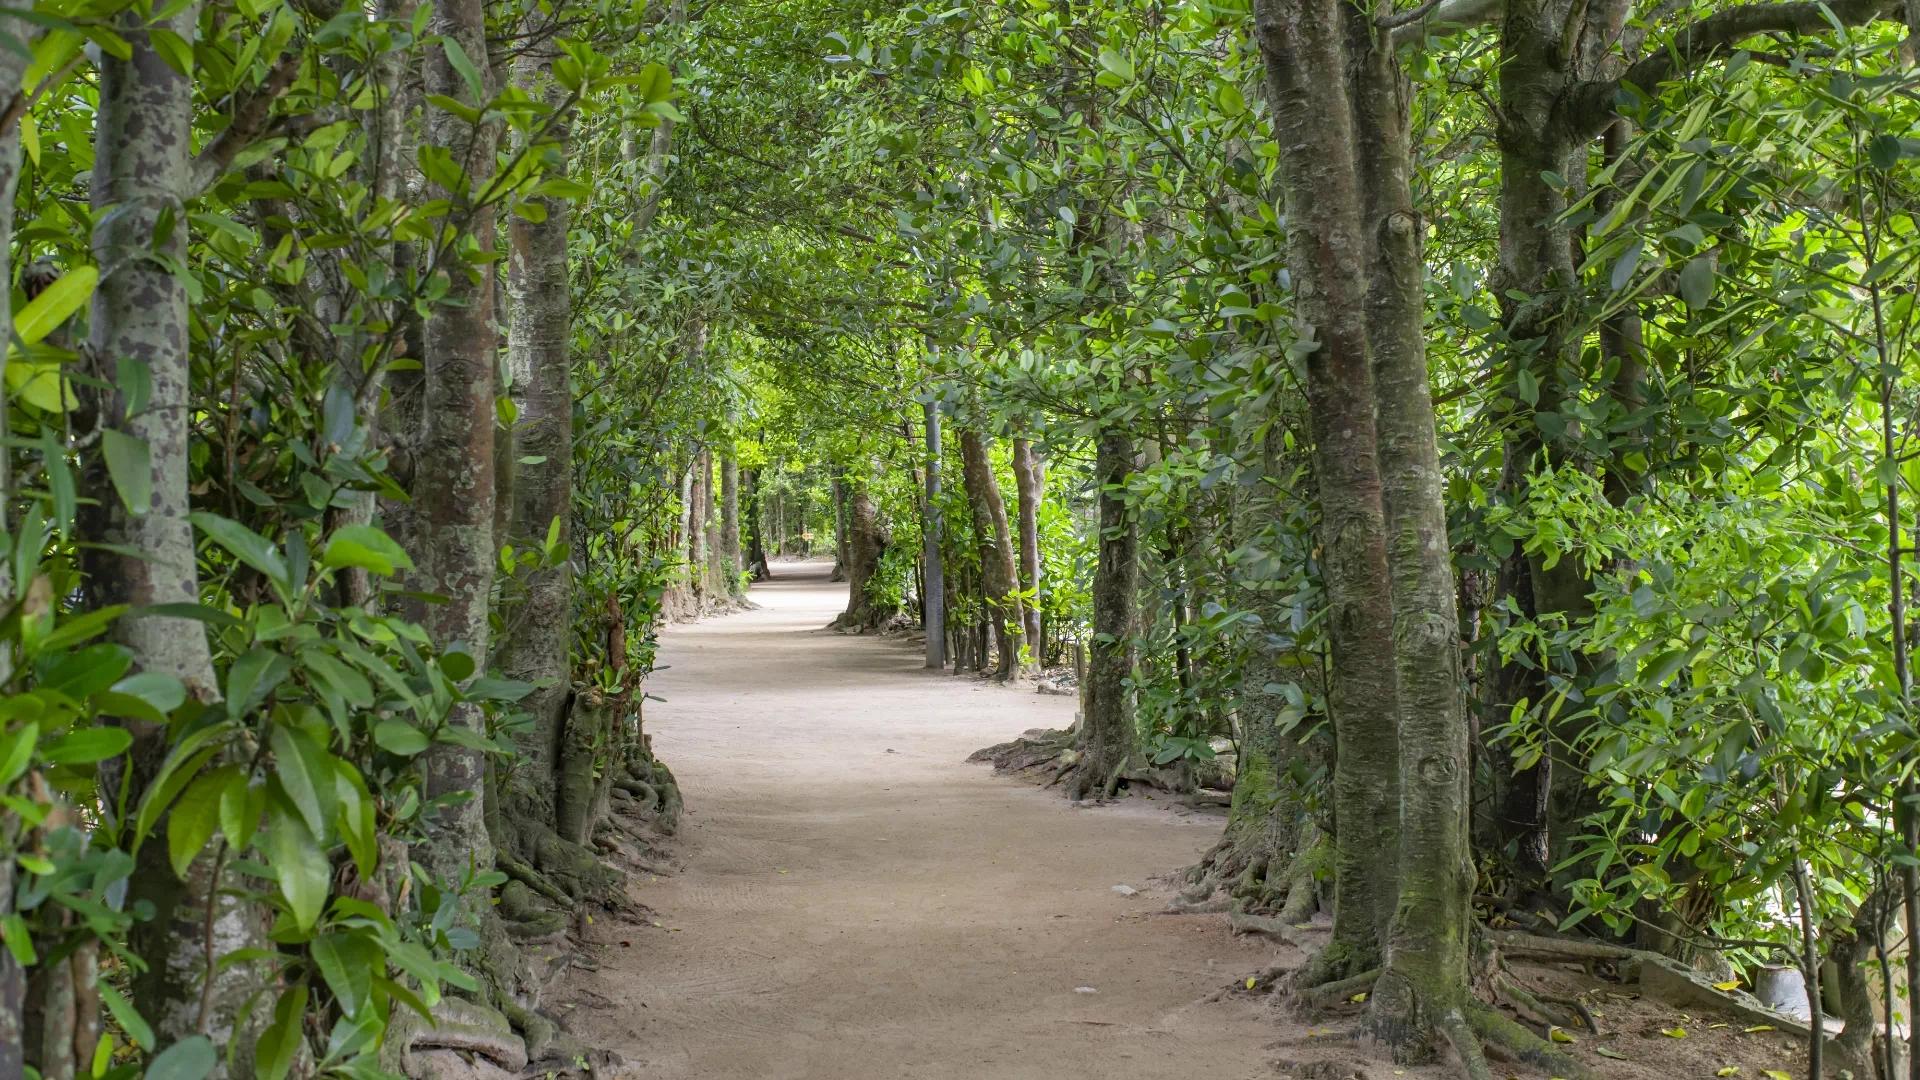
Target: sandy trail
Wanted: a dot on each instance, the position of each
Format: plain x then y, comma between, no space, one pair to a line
859,904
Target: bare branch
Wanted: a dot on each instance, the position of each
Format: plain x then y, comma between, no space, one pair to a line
1411,27
251,120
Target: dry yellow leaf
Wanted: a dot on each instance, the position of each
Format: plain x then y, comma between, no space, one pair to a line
1674,1032
1359,997
1728,1071
1759,1027
1776,1074
1614,1054
1251,979
1730,984
1560,1036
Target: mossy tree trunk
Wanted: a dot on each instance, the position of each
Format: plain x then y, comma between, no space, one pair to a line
1107,737
934,593
1303,43
868,538
998,579
1030,480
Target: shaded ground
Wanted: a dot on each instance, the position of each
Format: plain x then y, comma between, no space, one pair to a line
858,903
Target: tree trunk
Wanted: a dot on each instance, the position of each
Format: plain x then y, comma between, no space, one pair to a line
142,166
1301,41
1030,482
867,540
539,343
997,575
1426,971
1107,735
934,595
755,514
729,560
717,584
696,512
453,482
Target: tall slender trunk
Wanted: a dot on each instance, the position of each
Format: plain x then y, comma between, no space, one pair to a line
997,575
1426,967
754,512
839,530
697,553
1028,481
1301,41
716,554
934,598
538,343
729,560
142,166
1107,734
453,481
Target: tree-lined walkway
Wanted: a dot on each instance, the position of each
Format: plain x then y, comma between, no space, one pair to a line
860,903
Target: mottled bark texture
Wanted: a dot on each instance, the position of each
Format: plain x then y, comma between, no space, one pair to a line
997,574
1425,976
730,562
754,515
1302,42
697,550
540,632
453,486
1029,481
1107,737
142,169
933,594
867,541
839,531
717,583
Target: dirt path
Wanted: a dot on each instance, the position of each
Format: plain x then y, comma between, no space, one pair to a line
859,904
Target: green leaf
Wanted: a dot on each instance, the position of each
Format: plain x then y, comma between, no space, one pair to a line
253,677
55,304
305,772
1624,267
298,862
16,752
358,824
366,547
347,962
191,1058
273,1054
130,465
1697,282
157,688
127,1016
196,817
243,544
87,745
241,805
457,56
396,736
19,940
457,664
1884,151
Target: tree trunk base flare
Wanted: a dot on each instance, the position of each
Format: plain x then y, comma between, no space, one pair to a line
1053,758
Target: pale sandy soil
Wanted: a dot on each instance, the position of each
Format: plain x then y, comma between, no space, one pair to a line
857,903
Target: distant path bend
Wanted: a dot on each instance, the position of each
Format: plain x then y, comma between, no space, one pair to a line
860,904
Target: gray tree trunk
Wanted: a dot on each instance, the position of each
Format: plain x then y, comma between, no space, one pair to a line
934,598
539,342
997,575
453,482
143,166
1030,482
1107,737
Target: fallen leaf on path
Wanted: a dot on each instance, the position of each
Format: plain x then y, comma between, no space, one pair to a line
1728,1071
626,944
1730,984
1560,1036
1085,990
1251,980
1776,1074
1614,1054
1715,1027
1359,997
1674,1032
1759,1027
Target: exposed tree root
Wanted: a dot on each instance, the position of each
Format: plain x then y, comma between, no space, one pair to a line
1538,947
1240,922
1311,998
1520,996
1453,1025
1497,1030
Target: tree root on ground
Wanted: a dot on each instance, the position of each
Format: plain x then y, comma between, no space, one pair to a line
1495,1029
1537,1005
1310,998
1460,1036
